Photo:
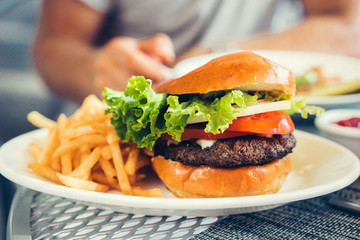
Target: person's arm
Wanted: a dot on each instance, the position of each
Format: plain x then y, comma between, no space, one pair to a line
73,68
331,26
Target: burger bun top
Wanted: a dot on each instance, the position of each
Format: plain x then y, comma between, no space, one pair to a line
245,71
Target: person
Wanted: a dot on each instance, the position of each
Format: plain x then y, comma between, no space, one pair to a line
84,45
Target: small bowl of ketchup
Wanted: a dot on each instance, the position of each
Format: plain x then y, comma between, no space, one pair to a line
342,126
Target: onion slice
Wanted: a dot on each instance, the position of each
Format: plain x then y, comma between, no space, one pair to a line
257,108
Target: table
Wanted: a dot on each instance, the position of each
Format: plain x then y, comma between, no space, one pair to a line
37,215
41,216
44,216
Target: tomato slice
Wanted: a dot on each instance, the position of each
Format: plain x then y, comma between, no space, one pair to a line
275,122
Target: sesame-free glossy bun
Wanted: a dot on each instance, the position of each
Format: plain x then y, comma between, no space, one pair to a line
209,182
244,71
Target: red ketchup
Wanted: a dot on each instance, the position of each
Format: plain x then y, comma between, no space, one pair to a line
351,122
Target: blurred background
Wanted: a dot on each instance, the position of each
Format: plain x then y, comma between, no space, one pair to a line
19,83
21,90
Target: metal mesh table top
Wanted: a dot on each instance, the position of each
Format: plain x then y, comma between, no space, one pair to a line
37,215
52,217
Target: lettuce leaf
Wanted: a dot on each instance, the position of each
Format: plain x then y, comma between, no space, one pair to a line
267,96
299,106
140,115
137,113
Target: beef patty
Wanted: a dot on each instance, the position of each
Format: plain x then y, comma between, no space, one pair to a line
230,152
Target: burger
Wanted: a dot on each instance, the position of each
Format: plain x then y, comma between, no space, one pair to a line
221,130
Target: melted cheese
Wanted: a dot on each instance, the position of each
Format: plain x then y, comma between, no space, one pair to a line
205,143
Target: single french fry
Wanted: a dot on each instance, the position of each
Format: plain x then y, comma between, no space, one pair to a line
82,184
99,127
155,192
81,154
83,171
92,103
120,169
90,108
44,171
90,120
78,132
40,120
111,135
99,177
77,159
106,153
61,122
35,150
118,160
130,165
66,158
66,163
52,142
85,151
92,140
55,164
109,171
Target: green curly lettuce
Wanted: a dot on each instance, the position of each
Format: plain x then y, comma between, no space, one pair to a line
137,113
140,115
299,106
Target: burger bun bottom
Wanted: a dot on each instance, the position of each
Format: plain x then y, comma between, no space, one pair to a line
186,181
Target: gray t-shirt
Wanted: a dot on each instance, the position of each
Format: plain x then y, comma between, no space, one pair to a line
209,23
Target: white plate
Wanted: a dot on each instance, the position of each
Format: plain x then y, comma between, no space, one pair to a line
346,68
319,167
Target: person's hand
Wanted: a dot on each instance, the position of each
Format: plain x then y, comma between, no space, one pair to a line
124,57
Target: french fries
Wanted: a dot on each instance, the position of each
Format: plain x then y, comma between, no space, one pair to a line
84,152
